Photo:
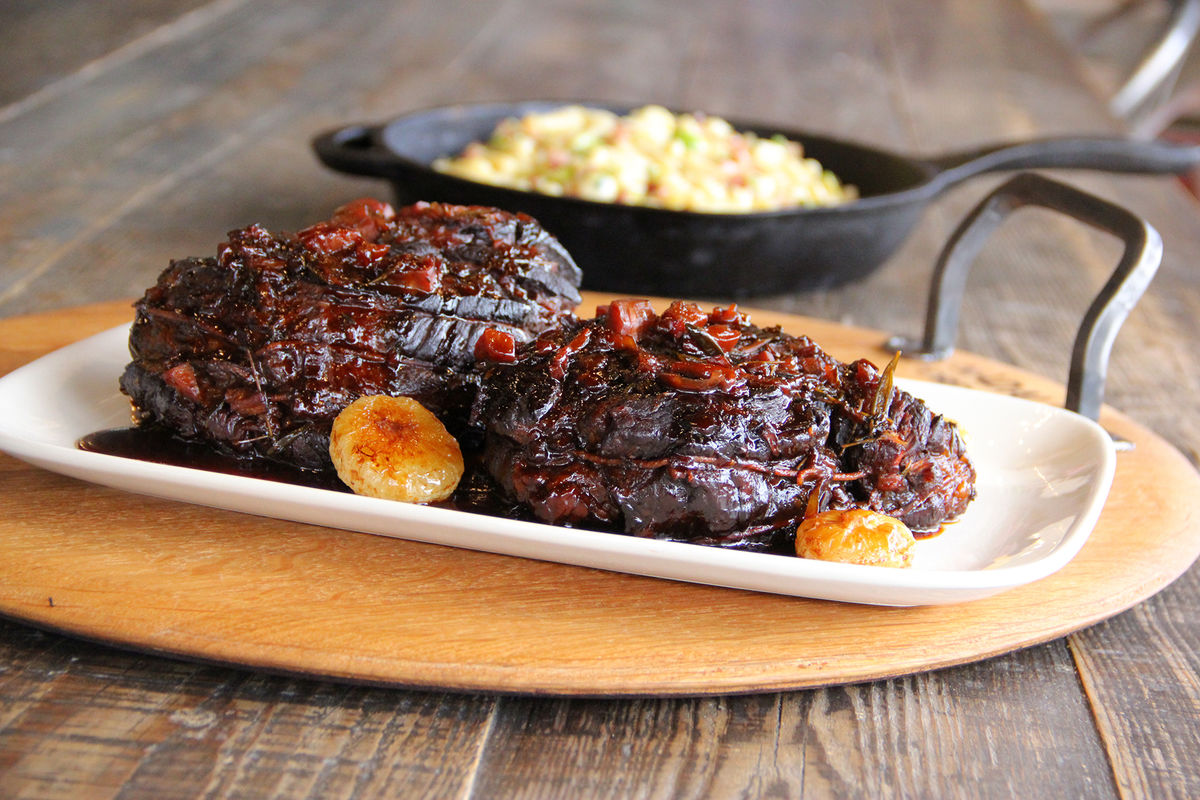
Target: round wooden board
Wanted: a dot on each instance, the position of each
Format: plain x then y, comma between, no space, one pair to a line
222,587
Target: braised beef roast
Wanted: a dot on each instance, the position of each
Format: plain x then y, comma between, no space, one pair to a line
689,425
703,427
255,351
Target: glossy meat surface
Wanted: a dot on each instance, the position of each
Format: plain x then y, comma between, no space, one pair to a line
257,350
700,426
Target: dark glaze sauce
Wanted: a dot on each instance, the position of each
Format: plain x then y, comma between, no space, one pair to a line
476,492
160,447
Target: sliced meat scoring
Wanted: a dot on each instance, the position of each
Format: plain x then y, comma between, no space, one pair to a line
256,350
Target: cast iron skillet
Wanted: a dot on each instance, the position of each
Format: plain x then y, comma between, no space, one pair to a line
637,250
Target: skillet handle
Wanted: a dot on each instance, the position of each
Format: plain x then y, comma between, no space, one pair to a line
1106,154
354,149
1093,343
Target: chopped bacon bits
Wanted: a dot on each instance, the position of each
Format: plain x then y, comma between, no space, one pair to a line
327,237
681,314
422,279
558,364
496,346
629,317
727,315
724,336
182,378
370,217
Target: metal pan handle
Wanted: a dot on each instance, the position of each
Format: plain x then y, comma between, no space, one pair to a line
1105,154
354,149
1093,343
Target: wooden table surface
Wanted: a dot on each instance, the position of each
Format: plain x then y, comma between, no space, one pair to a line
131,136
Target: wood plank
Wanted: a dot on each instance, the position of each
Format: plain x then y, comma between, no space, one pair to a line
35,53
96,722
234,734
923,736
143,143
1140,673
265,104
944,723
227,732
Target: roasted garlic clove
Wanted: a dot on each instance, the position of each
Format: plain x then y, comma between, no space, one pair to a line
393,448
856,536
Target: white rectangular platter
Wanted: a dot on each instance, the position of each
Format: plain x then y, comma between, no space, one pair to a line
1043,476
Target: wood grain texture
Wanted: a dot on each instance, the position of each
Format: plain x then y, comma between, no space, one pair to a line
155,153
153,727
35,55
198,730
219,586
1118,675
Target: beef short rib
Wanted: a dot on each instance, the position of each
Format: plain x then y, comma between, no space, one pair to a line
257,350
703,427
